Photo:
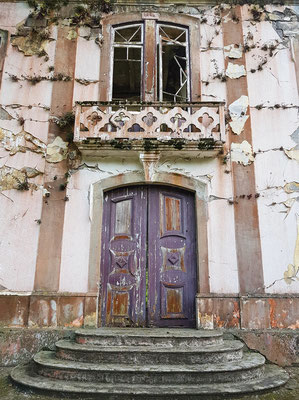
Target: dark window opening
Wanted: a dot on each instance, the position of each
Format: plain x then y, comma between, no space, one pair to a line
127,63
172,63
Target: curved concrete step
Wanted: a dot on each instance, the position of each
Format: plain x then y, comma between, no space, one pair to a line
149,355
148,337
249,367
272,378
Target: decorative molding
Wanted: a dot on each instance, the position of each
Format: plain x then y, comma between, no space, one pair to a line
149,161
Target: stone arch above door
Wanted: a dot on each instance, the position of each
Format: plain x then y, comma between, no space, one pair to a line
134,178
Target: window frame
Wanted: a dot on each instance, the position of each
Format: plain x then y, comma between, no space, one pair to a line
119,45
150,21
159,61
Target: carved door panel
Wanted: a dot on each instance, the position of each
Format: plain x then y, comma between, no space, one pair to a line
171,257
123,267
148,266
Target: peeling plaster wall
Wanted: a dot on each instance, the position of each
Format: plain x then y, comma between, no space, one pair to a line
76,236
19,236
26,128
87,75
211,59
75,250
24,123
274,118
221,239
222,254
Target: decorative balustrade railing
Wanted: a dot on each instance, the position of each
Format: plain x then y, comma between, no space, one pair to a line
190,121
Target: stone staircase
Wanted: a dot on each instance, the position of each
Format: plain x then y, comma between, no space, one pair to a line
112,363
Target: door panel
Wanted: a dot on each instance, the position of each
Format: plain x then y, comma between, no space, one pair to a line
171,257
148,235
124,257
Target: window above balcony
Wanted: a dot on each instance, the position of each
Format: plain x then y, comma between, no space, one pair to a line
150,91
171,77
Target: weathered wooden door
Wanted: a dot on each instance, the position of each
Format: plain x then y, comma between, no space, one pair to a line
171,257
123,264
148,265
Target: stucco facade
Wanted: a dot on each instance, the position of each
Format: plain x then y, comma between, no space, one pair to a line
246,190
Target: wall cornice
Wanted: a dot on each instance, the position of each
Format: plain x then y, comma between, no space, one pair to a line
174,2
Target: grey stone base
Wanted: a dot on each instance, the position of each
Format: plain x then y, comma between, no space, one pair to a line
168,364
273,377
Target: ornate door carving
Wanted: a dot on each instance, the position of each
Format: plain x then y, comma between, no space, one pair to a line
148,268
123,267
171,257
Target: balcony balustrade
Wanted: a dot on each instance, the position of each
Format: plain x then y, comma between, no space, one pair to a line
192,125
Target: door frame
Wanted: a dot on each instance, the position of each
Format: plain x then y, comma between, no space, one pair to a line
96,197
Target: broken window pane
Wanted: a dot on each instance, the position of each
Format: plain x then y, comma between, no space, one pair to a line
173,64
131,34
172,83
172,34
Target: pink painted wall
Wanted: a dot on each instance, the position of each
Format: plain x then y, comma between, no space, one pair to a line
276,167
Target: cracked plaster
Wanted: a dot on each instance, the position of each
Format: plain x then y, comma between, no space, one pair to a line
295,136
291,187
11,178
240,122
242,153
4,115
291,273
20,142
235,71
233,51
57,150
30,46
293,153
237,111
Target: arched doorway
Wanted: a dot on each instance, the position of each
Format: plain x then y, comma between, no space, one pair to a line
148,262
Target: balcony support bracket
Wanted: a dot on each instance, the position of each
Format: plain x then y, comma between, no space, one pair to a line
149,161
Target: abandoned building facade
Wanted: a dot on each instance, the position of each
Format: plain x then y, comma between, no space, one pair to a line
149,168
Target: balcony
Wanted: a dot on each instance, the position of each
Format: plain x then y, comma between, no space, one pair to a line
193,127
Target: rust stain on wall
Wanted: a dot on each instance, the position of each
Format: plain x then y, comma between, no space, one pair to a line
48,263
218,312
250,267
253,313
14,311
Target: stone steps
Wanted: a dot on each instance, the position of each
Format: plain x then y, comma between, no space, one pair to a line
148,337
250,367
227,351
149,363
273,377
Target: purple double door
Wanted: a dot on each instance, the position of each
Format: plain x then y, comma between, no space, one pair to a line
148,264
